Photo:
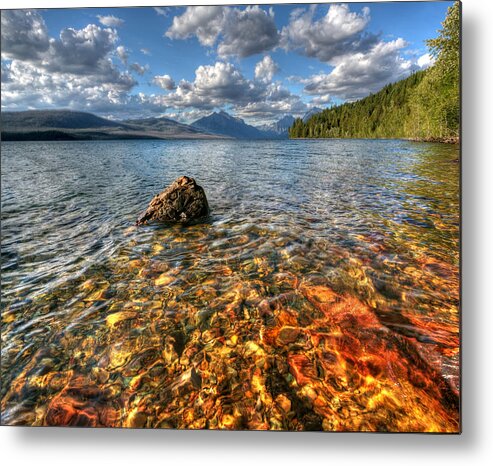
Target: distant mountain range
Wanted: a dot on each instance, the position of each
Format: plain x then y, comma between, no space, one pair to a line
73,125
282,126
223,124
62,119
165,128
279,127
310,113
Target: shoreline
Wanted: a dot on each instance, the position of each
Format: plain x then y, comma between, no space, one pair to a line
57,135
62,136
450,140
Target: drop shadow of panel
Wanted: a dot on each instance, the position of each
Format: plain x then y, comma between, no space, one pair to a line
471,253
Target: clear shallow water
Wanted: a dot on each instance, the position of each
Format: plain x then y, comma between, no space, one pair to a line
321,294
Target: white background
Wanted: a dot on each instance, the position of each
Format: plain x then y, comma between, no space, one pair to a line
56,446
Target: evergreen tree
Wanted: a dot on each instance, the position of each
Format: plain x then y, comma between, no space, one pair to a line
426,105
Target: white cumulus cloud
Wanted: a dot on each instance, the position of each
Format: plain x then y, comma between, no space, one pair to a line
73,70
424,61
265,69
238,32
138,68
247,32
122,53
111,21
338,32
223,84
161,11
165,82
357,75
24,34
202,21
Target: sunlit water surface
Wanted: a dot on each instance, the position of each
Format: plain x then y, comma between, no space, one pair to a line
322,294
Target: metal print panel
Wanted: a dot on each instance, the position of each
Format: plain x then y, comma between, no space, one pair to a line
232,217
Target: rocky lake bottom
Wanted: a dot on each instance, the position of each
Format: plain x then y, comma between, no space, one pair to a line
321,294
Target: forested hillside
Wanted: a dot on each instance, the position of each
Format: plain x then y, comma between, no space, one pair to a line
424,106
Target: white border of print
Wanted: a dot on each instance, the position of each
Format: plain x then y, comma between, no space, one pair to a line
57,446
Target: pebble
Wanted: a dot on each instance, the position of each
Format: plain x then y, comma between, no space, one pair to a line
163,280
136,419
232,341
113,319
283,402
227,422
288,335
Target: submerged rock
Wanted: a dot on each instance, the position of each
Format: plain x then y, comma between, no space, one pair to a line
181,202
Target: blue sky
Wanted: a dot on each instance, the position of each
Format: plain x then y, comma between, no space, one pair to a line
257,62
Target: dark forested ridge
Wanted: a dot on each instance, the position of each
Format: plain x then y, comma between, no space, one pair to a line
424,106
379,115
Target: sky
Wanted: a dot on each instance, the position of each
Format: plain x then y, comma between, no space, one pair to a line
257,62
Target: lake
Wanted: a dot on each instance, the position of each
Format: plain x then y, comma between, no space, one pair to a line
322,293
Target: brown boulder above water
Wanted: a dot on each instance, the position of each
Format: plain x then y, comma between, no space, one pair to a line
183,201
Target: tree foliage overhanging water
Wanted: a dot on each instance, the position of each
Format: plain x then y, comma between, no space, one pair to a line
426,105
